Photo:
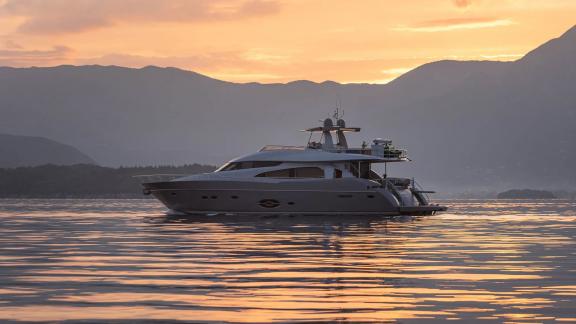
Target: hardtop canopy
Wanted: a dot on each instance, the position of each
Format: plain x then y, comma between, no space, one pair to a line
307,155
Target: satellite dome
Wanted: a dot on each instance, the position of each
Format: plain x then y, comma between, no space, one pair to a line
328,122
341,123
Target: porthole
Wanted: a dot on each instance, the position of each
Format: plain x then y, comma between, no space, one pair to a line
234,197
344,196
370,196
213,197
269,203
290,203
173,193
204,197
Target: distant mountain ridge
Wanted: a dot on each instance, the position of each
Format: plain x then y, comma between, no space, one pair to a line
526,194
470,124
18,151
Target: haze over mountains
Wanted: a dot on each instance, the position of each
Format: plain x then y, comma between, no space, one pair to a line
467,125
18,151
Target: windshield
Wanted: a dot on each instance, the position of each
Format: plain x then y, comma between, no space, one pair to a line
247,165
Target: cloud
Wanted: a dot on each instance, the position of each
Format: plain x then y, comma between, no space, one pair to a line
462,3
10,44
65,16
259,7
443,25
20,57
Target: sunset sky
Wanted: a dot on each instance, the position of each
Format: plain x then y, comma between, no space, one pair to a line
276,40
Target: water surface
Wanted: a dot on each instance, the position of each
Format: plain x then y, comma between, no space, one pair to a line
102,260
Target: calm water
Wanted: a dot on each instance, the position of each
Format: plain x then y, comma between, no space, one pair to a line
97,260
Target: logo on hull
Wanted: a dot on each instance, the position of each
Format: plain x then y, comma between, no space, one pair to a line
269,203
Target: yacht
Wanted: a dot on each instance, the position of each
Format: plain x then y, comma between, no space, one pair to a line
324,177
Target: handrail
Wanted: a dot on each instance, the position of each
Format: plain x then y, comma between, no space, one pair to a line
282,148
390,186
421,190
391,154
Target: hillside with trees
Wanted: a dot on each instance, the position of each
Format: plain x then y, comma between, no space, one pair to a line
83,180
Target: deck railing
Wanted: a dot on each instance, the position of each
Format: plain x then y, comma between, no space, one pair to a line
282,148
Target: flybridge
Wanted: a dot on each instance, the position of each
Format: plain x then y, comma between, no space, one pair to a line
382,148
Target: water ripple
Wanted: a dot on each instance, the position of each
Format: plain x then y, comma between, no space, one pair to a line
123,260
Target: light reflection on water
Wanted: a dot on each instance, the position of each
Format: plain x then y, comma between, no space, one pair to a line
123,260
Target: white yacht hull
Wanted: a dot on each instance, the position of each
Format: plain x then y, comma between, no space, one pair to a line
308,197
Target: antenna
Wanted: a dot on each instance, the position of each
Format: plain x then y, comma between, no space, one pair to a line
338,112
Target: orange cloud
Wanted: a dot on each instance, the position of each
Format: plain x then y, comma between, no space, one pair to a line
462,3
442,25
10,44
64,16
18,56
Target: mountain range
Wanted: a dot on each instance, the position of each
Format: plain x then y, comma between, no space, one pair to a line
466,124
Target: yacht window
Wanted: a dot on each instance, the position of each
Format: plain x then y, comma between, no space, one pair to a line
306,172
365,170
360,169
247,165
265,164
276,174
353,168
337,173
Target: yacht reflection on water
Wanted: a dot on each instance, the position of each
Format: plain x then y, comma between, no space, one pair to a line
276,221
323,177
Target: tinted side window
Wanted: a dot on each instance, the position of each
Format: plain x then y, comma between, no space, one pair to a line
353,168
337,173
276,174
265,164
234,166
310,172
359,170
